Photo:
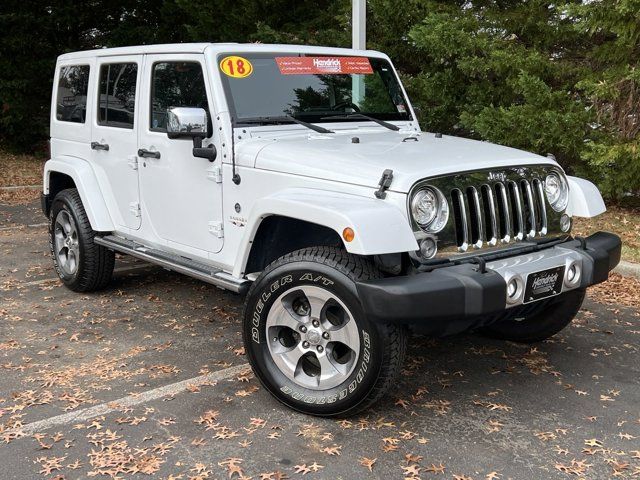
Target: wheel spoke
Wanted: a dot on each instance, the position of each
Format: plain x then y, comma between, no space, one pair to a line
317,304
65,222
63,256
288,359
344,334
72,261
287,317
328,367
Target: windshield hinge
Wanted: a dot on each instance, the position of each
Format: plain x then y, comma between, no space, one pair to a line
385,183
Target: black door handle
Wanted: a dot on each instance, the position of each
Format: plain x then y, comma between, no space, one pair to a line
99,146
144,153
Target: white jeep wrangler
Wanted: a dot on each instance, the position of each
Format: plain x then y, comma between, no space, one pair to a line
300,177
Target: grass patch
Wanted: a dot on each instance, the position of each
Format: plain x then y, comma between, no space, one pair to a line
623,221
18,170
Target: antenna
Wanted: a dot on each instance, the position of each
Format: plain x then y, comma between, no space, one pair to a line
235,177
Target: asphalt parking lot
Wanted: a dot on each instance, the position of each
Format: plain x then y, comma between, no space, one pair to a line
149,378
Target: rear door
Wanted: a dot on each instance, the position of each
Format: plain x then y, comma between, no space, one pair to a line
182,194
114,135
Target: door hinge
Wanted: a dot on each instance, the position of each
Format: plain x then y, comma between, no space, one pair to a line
215,174
133,162
217,229
134,208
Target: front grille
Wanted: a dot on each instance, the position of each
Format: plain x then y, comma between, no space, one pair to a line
498,212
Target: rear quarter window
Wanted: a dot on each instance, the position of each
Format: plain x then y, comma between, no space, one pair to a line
71,97
116,104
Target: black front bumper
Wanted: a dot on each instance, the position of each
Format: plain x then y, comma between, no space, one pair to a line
457,297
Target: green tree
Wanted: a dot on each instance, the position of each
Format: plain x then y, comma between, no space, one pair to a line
612,91
497,71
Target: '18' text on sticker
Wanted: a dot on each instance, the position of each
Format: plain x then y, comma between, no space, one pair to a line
236,67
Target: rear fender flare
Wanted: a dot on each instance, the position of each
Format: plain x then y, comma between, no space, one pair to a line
88,188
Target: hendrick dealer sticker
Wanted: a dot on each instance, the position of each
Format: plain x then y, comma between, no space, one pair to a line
546,283
323,65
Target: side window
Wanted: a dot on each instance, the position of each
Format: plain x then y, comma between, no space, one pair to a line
175,84
117,99
71,98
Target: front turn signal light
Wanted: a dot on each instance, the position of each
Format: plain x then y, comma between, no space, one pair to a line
348,234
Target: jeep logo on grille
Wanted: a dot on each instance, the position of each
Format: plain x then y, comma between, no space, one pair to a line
497,176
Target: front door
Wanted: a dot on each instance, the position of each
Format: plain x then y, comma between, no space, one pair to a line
114,136
181,194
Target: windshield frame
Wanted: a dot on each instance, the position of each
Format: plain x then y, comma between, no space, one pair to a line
226,88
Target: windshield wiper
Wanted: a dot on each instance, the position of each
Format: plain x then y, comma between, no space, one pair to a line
283,119
388,125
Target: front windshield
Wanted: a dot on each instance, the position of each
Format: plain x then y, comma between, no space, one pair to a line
312,88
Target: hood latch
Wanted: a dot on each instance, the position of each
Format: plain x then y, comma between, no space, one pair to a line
385,183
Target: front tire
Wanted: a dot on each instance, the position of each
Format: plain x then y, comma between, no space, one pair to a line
82,265
308,340
543,323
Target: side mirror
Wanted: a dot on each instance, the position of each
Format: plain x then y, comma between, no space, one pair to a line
186,122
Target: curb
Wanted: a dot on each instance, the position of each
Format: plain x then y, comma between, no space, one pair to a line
628,269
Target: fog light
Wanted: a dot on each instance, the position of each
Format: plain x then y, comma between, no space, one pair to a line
514,290
565,222
428,248
571,274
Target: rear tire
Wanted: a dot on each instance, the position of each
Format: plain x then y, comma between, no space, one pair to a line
308,340
82,265
543,323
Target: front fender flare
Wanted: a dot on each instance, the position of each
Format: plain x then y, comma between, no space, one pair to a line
380,227
88,188
584,198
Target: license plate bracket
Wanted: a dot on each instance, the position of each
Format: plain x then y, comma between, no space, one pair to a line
544,284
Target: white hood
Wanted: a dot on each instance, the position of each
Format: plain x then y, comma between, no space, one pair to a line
335,157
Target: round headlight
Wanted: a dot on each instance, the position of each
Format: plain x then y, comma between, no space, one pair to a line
429,209
424,207
557,191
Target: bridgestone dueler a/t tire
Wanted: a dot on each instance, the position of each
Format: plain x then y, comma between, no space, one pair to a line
542,324
382,347
95,265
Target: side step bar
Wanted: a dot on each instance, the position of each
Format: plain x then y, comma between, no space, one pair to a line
176,263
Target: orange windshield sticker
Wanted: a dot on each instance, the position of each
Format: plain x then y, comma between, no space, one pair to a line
236,67
323,65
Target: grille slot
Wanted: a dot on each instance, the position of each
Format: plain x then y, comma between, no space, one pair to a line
460,218
530,216
542,209
490,213
475,217
498,212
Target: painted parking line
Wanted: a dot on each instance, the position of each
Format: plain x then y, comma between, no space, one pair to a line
22,227
128,401
21,187
120,270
